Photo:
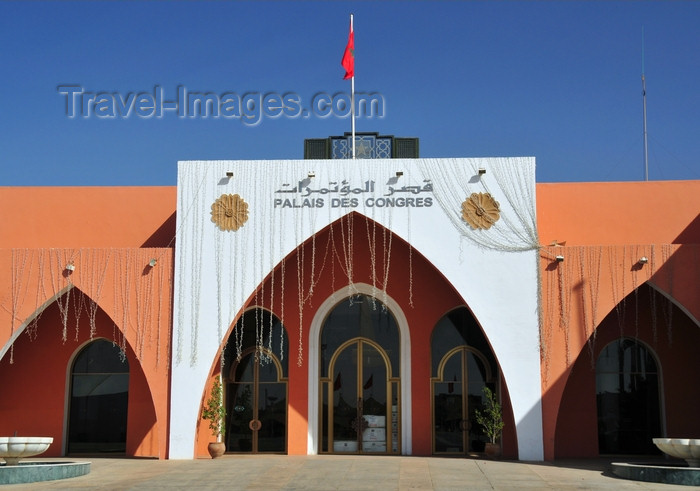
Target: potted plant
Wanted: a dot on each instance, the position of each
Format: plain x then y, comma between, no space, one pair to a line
491,419
215,412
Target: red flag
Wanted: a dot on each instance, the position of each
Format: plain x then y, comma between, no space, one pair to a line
338,383
349,56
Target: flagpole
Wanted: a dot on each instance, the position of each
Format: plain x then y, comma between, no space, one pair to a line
352,98
644,104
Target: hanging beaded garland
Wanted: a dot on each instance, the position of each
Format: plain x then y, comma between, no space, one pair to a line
139,307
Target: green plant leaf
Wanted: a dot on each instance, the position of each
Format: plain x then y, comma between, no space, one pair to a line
491,417
214,410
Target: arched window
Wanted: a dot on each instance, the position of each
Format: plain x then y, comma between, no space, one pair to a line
99,397
627,395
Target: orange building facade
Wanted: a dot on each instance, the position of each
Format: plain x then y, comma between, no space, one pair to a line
335,328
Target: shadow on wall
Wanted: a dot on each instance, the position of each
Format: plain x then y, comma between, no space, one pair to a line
164,236
691,234
648,316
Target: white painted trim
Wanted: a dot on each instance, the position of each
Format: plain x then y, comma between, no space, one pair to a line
314,337
662,392
672,299
29,319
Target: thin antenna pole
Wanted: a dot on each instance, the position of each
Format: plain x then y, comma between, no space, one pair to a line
644,103
352,96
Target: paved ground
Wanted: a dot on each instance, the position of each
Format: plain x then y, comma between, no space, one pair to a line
342,472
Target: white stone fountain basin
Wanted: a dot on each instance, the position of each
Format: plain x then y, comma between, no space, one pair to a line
681,448
13,448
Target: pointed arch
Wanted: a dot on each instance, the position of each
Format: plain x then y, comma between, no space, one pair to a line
46,358
22,327
279,223
674,301
576,418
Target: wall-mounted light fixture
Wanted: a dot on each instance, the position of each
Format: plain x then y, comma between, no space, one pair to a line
399,173
482,171
311,174
560,259
153,262
229,174
70,267
643,260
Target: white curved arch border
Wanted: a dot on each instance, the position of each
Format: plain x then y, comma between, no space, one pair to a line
405,350
28,320
673,300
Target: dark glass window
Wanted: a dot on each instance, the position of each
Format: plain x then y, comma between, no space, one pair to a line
258,327
627,394
99,400
458,328
360,316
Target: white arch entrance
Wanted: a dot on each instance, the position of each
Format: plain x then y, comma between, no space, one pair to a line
286,204
314,370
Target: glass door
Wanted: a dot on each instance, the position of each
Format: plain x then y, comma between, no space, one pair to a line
628,402
361,406
99,400
457,393
360,379
257,405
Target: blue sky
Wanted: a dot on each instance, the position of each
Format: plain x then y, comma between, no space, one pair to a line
558,80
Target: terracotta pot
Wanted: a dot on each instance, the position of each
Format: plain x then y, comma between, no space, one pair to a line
216,449
492,450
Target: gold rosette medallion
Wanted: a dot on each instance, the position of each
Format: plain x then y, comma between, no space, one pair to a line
481,211
229,212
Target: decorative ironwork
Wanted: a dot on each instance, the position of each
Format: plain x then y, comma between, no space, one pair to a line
366,147
481,211
229,212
